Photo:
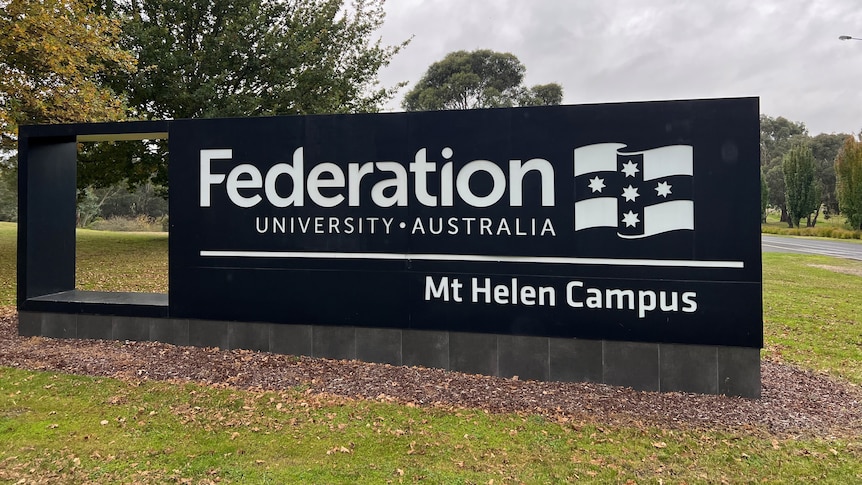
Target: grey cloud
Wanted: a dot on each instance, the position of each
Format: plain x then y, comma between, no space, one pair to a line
787,52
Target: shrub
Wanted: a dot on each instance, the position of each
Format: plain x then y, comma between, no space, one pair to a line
833,232
127,224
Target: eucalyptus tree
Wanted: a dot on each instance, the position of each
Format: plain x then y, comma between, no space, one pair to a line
478,79
825,148
777,136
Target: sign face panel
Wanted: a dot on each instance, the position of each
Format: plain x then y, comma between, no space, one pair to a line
635,221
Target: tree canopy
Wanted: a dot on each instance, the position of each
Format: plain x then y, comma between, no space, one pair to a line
214,58
54,55
764,196
824,148
478,79
220,58
848,168
800,186
777,137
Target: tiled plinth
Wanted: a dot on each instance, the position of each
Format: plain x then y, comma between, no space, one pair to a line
644,366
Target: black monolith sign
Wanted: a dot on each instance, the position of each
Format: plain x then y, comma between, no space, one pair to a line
629,222
617,243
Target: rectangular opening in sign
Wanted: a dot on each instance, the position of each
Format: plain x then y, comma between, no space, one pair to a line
122,216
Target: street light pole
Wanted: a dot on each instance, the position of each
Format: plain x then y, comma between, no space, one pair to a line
847,37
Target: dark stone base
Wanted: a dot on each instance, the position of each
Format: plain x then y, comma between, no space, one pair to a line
733,371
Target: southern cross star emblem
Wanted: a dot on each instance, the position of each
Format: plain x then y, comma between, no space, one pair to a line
597,184
630,219
639,193
630,193
663,189
630,168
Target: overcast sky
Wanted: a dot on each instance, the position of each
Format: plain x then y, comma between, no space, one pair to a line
786,52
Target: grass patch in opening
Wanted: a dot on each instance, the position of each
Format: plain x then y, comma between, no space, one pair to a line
121,261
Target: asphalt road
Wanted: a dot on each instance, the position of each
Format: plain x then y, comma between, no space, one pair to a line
834,248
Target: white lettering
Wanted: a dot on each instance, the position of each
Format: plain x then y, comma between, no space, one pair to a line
547,296
570,297
594,300
528,295
481,290
421,167
688,299
265,227
668,307
317,181
207,177
447,195
621,296
328,185
295,173
235,183
516,181
355,172
399,182
498,183
646,302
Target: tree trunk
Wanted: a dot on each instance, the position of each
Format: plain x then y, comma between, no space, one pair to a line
784,215
812,223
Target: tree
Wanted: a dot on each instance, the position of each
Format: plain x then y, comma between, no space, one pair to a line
541,95
825,148
478,79
848,169
129,163
216,58
777,136
800,187
9,194
117,201
764,196
54,55
222,58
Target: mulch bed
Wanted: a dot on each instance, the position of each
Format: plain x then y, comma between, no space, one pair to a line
794,402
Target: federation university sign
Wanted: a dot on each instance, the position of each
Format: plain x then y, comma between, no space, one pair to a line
627,223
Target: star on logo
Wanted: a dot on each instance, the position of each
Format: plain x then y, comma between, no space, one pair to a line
630,193
663,189
630,219
630,168
597,184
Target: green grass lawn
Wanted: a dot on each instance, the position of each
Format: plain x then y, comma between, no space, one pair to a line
8,262
81,429
812,313
137,261
76,429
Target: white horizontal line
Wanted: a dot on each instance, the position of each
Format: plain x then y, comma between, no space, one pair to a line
474,257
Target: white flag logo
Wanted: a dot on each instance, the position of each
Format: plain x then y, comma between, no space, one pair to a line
640,193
